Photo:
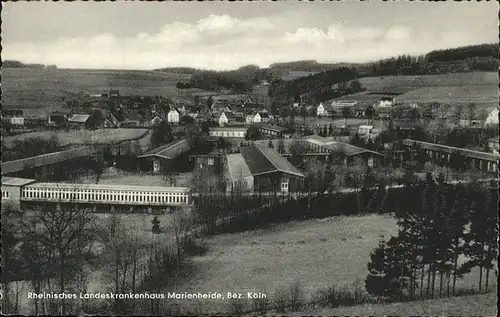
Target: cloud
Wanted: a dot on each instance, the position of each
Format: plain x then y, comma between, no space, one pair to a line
226,42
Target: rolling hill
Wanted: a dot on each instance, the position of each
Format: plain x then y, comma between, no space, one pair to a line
36,90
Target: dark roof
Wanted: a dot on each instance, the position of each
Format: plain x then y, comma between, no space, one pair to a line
229,115
47,159
262,160
168,151
252,105
271,127
449,149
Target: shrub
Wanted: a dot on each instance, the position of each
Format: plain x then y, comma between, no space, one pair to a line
237,307
194,247
260,305
290,298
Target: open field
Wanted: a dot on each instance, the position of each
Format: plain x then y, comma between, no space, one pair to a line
482,95
315,253
474,305
40,90
85,137
404,84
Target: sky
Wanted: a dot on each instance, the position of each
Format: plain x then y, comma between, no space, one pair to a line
227,35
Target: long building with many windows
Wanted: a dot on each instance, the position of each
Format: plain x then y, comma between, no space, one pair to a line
25,193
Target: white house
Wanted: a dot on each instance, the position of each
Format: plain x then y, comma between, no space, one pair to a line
257,118
386,102
226,118
16,121
223,120
321,110
249,119
173,116
365,129
492,118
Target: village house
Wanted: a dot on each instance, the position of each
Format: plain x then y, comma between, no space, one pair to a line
226,118
228,132
260,168
386,102
160,158
208,161
110,121
384,113
364,110
56,120
492,118
173,116
317,146
274,132
78,121
15,117
365,129
483,161
156,120
257,118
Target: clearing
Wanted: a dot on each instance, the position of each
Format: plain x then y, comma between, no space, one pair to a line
38,90
405,83
316,253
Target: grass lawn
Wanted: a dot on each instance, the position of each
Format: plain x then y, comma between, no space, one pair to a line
315,253
113,176
404,84
474,305
80,137
41,90
481,95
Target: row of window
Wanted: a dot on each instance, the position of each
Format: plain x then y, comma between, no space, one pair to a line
5,194
99,195
228,133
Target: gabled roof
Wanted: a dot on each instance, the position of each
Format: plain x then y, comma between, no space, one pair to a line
263,160
449,149
16,181
47,159
229,115
252,105
237,167
168,151
79,118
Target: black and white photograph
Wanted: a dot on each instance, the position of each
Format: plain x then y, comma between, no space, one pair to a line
249,158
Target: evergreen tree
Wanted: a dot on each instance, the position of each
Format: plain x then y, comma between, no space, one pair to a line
460,218
155,225
330,130
388,270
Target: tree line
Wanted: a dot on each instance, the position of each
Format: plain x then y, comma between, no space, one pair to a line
426,258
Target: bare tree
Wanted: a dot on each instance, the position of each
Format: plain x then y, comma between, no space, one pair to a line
65,233
181,222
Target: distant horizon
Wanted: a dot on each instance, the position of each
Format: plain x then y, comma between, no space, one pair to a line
231,69
225,36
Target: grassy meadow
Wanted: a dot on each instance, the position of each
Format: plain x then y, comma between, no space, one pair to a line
315,253
474,305
406,83
38,91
